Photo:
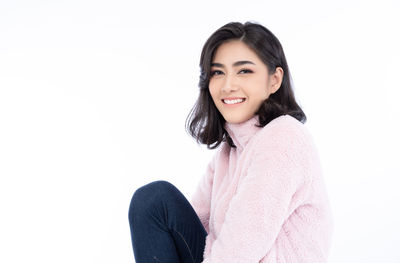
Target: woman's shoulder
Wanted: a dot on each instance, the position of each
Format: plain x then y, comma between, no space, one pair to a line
285,141
284,122
284,130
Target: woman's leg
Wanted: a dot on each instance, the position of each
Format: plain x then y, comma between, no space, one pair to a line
164,226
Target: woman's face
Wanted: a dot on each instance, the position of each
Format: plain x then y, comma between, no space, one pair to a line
240,82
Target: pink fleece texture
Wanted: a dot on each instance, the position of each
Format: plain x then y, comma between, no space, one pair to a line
266,200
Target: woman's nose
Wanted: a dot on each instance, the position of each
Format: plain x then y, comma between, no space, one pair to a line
229,84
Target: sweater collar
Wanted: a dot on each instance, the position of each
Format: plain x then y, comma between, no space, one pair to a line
242,132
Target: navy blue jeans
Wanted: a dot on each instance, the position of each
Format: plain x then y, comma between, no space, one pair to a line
164,226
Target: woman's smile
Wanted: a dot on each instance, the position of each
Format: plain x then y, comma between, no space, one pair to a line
233,102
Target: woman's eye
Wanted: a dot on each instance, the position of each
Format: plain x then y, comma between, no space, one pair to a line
216,72
245,71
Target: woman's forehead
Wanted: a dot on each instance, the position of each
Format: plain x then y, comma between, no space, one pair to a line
233,51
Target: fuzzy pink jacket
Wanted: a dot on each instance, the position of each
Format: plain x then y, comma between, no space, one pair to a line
265,201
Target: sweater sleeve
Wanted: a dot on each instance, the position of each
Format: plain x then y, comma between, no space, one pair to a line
201,199
259,208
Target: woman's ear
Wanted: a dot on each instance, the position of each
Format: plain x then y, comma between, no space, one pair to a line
276,79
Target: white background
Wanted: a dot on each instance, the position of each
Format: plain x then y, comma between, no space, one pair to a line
94,96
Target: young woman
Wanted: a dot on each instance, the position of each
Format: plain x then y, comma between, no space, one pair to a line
262,197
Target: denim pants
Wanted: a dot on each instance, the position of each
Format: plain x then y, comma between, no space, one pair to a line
164,226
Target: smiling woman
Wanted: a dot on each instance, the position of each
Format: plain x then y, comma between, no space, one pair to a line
262,197
240,81
241,61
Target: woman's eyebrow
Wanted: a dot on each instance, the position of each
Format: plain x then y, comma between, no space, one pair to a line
236,64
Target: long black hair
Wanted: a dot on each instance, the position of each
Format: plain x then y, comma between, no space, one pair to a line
204,122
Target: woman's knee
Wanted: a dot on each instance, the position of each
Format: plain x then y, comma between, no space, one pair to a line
150,195
153,189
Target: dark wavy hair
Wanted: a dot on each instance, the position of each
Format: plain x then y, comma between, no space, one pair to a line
204,122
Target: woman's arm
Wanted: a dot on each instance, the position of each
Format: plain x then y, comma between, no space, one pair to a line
201,199
278,170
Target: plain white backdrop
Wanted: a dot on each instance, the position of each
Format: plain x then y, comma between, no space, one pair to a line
94,97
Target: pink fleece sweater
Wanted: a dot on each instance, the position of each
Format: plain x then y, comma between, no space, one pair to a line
265,201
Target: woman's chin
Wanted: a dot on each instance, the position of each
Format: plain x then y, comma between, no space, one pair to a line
236,119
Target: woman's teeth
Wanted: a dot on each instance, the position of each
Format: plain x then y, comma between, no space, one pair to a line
233,101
